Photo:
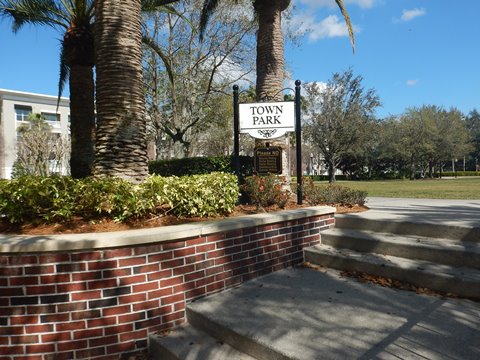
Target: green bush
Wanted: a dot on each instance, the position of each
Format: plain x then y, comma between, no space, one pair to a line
200,165
57,199
263,191
332,194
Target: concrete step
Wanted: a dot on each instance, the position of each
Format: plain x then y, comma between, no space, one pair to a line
463,281
430,229
189,343
443,251
249,343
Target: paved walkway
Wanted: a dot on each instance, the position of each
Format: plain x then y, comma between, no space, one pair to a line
438,211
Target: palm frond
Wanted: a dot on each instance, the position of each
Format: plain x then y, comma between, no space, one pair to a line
347,20
152,5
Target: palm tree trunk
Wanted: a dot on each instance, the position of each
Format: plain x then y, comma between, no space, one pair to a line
82,122
121,145
270,64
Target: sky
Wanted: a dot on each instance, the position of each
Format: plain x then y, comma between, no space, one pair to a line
412,52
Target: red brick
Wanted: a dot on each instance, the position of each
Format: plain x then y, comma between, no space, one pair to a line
55,279
102,322
140,334
167,255
11,271
12,350
117,310
233,281
85,276
86,295
22,260
127,299
23,280
55,318
123,347
223,276
37,290
43,328
147,249
47,269
118,329
74,306
205,281
133,279
194,276
195,258
173,299
160,293
171,263
184,252
89,314
215,237
24,339
107,254
215,254
145,287
215,286
102,284
196,241
158,312
88,333
146,268
54,258
114,273
172,317
223,260
71,267
205,248
72,345
24,320
56,337
179,306
173,245
106,340
213,270
71,287
4,340
146,305
60,356
171,282
89,353
131,317
194,293
87,256
43,348
159,275
132,261
101,265
74,325
183,270
224,244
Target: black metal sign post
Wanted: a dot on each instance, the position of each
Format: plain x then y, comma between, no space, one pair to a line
236,133
298,140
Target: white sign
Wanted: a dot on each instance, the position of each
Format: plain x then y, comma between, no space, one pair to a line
267,120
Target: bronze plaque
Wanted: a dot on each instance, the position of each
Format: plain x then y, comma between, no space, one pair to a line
268,160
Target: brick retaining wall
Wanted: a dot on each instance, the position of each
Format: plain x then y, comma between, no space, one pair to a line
101,302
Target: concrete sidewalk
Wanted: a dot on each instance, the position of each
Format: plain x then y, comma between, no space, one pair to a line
308,314
461,213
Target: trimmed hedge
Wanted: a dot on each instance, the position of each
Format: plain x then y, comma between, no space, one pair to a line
58,198
200,165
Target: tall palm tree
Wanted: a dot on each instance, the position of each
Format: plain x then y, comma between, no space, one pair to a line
75,19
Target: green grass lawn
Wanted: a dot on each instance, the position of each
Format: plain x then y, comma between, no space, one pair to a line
459,188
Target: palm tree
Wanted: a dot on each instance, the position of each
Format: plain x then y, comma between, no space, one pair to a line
75,19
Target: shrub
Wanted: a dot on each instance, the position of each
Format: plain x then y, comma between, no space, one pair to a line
264,191
332,194
200,165
56,199
459,173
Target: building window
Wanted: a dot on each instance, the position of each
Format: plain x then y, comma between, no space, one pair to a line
51,117
22,112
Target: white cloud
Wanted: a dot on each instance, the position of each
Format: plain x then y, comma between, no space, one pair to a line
412,82
306,24
408,15
365,4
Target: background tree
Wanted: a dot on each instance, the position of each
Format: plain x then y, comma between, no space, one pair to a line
473,125
339,118
75,20
39,151
187,80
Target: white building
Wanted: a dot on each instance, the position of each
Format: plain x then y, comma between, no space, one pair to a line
15,106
